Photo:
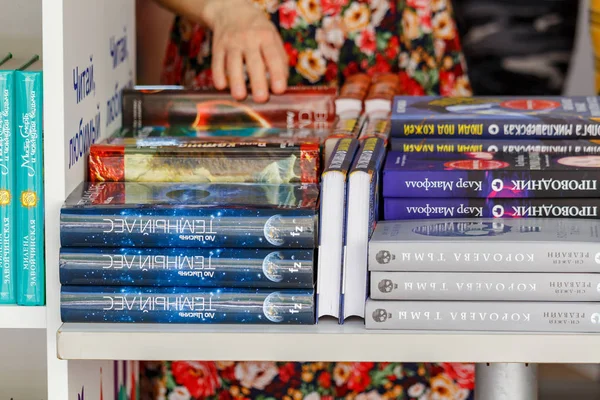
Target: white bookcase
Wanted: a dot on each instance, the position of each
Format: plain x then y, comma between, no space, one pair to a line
69,359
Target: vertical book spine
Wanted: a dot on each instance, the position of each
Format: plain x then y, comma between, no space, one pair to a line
30,208
7,188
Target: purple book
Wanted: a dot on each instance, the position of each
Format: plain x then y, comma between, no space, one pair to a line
396,209
491,175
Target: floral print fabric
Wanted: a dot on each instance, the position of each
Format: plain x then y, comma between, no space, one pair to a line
195,380
327,40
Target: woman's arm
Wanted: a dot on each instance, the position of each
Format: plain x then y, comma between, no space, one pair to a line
242,37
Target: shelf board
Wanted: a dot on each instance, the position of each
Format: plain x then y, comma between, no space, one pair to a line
20,317
326,341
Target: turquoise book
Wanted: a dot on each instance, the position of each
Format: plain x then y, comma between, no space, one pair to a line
8,283
30,185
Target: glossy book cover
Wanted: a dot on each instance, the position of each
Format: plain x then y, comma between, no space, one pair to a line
190,215
491,175
221,267
90,304
205,162
298,107
547,146
396,208
501,117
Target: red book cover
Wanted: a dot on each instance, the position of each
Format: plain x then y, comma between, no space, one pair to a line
299,107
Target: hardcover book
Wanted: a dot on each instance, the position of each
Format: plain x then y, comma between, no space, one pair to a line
502,117
31,279
91,304
488,316
8,166
190,215
547,146
299,107
480,286
179,135
491,175
395,209
486,244
204,162
334,195
235,268
362,216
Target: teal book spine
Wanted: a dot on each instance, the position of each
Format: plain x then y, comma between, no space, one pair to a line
8,284
30,189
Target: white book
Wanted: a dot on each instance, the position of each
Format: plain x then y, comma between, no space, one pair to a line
363,213
332,221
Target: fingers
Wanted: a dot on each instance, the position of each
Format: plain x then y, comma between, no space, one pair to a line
257,74
218,68
235,73
277,65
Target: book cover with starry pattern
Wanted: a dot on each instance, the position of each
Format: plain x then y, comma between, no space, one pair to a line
129,214
234,268
128,304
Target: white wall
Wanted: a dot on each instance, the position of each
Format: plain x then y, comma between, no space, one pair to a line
581,74
21,27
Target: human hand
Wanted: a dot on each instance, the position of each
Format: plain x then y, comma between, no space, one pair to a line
244,37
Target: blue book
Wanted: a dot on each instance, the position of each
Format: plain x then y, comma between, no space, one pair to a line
8,285
30,185
547,146
130,214
234,268
500,117
186,305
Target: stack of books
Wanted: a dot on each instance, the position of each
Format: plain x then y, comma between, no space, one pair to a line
21,182
501,239
199,210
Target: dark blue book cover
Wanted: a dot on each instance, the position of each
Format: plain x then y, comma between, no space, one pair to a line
500,117
491,175
436,145
396,209
93,304
127,214
187,267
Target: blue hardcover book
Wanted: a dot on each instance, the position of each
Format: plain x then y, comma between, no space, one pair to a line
548,146
395,209
235,268
30,186
129,214
186,305
501,117
491,175
8,285
362,216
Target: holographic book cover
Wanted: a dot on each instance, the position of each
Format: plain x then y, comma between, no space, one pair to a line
235,268
186,305
299,107
205,162
395,208
491,175
549,146
190,215
178,135
501,117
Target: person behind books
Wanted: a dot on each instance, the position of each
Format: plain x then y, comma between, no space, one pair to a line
307,42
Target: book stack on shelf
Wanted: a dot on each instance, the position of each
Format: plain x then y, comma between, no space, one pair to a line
498,240
21,182
199,210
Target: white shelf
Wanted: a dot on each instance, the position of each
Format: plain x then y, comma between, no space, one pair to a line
324,342
19,317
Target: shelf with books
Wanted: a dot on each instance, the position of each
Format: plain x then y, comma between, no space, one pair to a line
323,342
21,317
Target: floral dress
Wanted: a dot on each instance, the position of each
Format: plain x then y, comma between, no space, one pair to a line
187,380
327,40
